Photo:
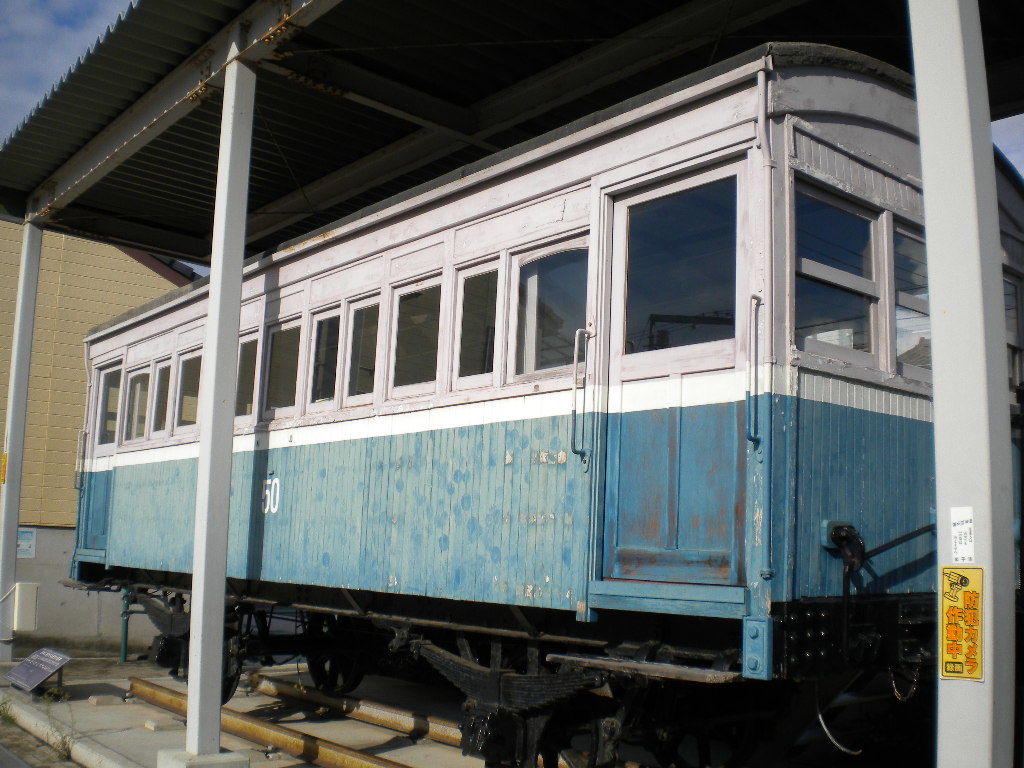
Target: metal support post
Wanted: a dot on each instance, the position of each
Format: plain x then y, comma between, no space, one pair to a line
972,420
12,460
216,418
126,613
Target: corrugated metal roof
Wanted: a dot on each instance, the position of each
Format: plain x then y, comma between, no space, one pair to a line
133,54
460,51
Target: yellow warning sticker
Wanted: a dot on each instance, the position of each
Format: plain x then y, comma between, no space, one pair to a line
960,622
3,469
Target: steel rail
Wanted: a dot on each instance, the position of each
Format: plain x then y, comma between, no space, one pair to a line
414,725
402,721
304,746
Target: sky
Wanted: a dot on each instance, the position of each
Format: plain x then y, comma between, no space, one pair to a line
42,39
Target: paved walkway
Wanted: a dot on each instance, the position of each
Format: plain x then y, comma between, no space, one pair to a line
99,729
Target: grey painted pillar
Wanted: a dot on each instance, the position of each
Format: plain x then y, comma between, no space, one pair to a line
216,416
972,420
14,437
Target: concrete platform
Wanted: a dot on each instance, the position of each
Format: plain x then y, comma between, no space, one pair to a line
109,732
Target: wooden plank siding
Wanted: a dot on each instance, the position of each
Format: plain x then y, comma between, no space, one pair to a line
81,284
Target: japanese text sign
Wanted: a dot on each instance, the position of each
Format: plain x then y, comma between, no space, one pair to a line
961,623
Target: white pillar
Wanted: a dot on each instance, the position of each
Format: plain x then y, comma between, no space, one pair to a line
972,419
14,438
216,415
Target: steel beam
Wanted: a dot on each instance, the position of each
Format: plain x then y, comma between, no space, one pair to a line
12,460
107,228
690,26
972,417
332,76
216,414
261,28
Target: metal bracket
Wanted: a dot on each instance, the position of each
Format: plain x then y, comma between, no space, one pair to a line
827,526
757,647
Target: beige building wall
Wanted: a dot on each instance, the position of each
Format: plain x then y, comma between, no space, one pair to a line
81,284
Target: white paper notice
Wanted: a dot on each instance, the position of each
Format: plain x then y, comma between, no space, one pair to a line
962,525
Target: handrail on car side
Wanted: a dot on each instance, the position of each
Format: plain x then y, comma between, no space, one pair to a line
579,451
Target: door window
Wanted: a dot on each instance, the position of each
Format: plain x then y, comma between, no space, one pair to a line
681,269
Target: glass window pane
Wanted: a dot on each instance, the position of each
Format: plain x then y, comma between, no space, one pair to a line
832,236
325,359
110,394
681,273
913,338
363,354
419,315
479,304
552,305
246,386
283,369
833,315
910,266
163,387
188,391
138,401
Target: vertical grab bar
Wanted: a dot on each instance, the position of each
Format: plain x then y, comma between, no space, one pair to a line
753,434
579,451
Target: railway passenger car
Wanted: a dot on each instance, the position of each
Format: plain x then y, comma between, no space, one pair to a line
640,407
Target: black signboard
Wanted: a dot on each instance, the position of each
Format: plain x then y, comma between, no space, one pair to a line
35,669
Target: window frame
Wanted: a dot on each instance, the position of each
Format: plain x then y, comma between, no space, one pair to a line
396,292
176,427
491,263
102,371
123,420
348,326
243,338
156,366
901,298
316,317
517,259
281,412
877,290
692,358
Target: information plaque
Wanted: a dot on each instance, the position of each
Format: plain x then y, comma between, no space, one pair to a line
37,668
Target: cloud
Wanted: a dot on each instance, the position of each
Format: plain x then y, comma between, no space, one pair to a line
1008,135
41,40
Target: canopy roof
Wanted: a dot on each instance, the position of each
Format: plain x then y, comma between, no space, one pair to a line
361,100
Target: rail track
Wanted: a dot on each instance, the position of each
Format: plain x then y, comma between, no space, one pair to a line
317,749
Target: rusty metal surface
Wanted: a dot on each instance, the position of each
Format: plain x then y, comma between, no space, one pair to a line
647,668
295,743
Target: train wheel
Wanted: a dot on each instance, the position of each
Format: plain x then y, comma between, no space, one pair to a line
334,673
231,671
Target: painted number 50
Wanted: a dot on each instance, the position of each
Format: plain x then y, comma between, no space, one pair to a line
271,495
